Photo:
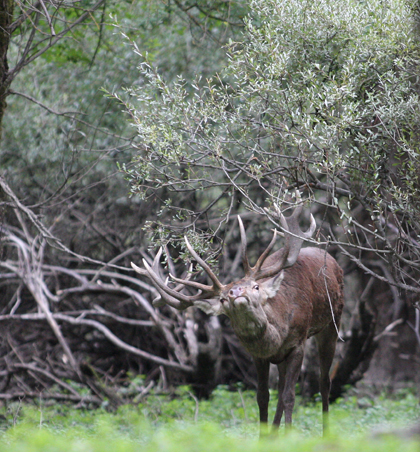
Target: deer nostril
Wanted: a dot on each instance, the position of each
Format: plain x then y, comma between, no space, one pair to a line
235,291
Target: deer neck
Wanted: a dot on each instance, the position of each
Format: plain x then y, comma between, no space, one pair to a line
255,332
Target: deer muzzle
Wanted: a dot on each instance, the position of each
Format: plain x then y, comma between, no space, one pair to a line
238,297
235,292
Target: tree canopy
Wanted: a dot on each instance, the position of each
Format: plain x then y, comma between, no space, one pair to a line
320,97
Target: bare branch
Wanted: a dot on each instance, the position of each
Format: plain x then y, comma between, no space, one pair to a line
106,332
25,60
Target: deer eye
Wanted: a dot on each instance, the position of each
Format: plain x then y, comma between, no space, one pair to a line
257,287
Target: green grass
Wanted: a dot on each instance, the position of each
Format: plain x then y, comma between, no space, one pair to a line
226,422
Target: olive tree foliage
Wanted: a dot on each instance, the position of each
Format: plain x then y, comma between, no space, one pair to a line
320,97
60,127
317,96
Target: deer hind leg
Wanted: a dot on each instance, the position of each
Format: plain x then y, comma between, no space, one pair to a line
326,341
263,393
293,364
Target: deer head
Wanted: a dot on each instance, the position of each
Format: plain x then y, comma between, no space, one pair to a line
247,295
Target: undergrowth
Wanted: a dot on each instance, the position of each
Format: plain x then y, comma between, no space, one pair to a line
228,421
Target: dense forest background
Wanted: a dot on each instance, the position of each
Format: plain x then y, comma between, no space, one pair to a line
128,125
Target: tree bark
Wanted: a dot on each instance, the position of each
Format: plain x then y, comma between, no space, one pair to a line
6,17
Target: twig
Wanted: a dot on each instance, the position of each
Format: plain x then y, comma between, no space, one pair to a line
387,330
48,18
44,232
197,406
56,396
323,271
50,110
46,374
16,413
25,59
30,272
143,392
243,404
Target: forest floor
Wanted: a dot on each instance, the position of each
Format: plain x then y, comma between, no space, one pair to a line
228,421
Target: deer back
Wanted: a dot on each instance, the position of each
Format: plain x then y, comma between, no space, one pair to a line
311,291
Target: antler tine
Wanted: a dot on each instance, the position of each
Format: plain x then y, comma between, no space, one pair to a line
310,232
196,285
174,297
164,298
165,291
264,255
217,285
245,261
294,238
181,284
169,261
139,270
156,260
259,273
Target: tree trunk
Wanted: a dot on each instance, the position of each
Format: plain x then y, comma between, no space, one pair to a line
6,18
206,350
359,348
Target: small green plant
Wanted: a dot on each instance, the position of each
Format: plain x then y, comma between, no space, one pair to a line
175,422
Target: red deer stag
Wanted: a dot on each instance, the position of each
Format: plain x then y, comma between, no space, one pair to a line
284,299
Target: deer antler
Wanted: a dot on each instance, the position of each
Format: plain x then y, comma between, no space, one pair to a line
294,240
287,257
217,286
295,235
174,297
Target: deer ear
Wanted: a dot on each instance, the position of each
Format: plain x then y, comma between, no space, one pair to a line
212,306
272,285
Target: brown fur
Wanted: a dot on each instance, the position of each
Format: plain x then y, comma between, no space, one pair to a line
274,329
273,317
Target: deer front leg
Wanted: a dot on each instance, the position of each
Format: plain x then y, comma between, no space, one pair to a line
280,406
293,364
263,393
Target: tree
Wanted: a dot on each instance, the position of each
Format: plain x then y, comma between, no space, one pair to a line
64,211
36,27
318,96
